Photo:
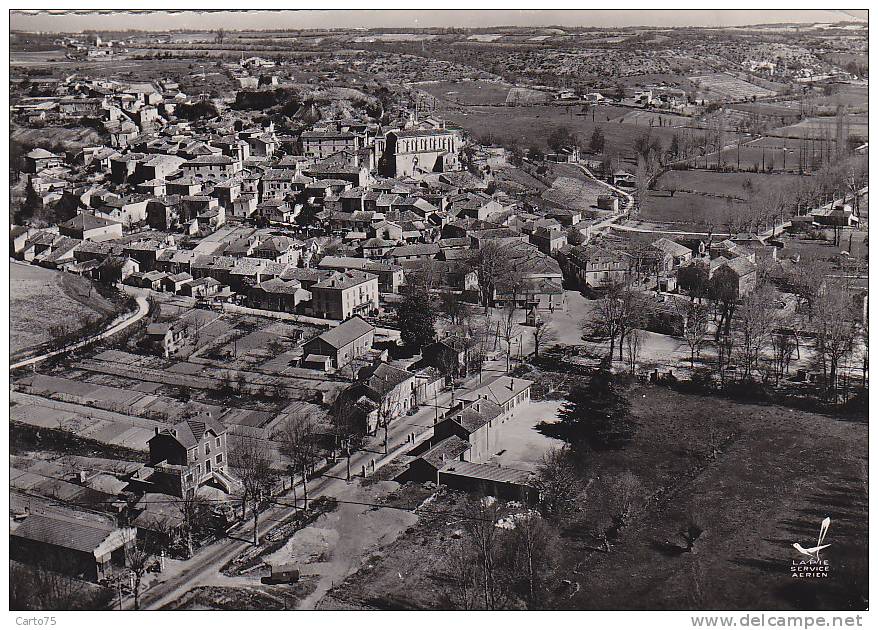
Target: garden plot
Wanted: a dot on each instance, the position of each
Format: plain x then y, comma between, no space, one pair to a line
101,426
730,87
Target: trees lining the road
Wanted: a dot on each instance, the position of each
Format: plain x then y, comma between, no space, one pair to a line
348,427
252,465
298,441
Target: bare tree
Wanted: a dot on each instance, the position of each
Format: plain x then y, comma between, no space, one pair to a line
783,342
297,440
633,346
836,328
559,484
695,327
484,535
619,312
510,330
347,426
753,325
534,548
139,555
544,334
193,512
250,460
463,579
388,408
492,267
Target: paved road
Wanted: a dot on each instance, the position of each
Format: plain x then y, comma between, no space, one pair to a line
121,324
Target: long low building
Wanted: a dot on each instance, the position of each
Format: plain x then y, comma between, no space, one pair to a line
490,479
77,544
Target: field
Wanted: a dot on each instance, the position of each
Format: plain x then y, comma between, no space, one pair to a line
824,126
731,184
467,92
729,87
765,489
532,125
705,198
42,298
779,154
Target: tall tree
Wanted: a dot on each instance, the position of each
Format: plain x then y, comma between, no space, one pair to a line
753,325
544,333
836,327
597,415
298,441
139,554
249,459
696,320
559,484
417,318
348,427
492,267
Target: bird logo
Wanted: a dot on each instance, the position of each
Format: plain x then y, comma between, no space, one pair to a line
814,552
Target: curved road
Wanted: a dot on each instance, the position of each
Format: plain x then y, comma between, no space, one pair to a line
128,320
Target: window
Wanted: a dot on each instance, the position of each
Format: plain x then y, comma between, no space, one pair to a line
219,459
193,453
218,442
207,448
198,470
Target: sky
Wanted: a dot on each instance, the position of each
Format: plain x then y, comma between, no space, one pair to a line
165,20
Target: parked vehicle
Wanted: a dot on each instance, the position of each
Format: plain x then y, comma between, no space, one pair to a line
282,574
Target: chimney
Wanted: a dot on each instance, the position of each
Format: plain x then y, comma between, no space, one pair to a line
83,476
511,384
156,430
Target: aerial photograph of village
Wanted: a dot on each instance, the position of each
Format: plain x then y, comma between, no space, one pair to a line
319,310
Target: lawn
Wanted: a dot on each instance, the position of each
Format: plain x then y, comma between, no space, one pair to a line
775,475
41,298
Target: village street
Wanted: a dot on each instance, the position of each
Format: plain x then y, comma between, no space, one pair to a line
403,434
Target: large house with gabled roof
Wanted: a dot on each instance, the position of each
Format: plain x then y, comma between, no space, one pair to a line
190,454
